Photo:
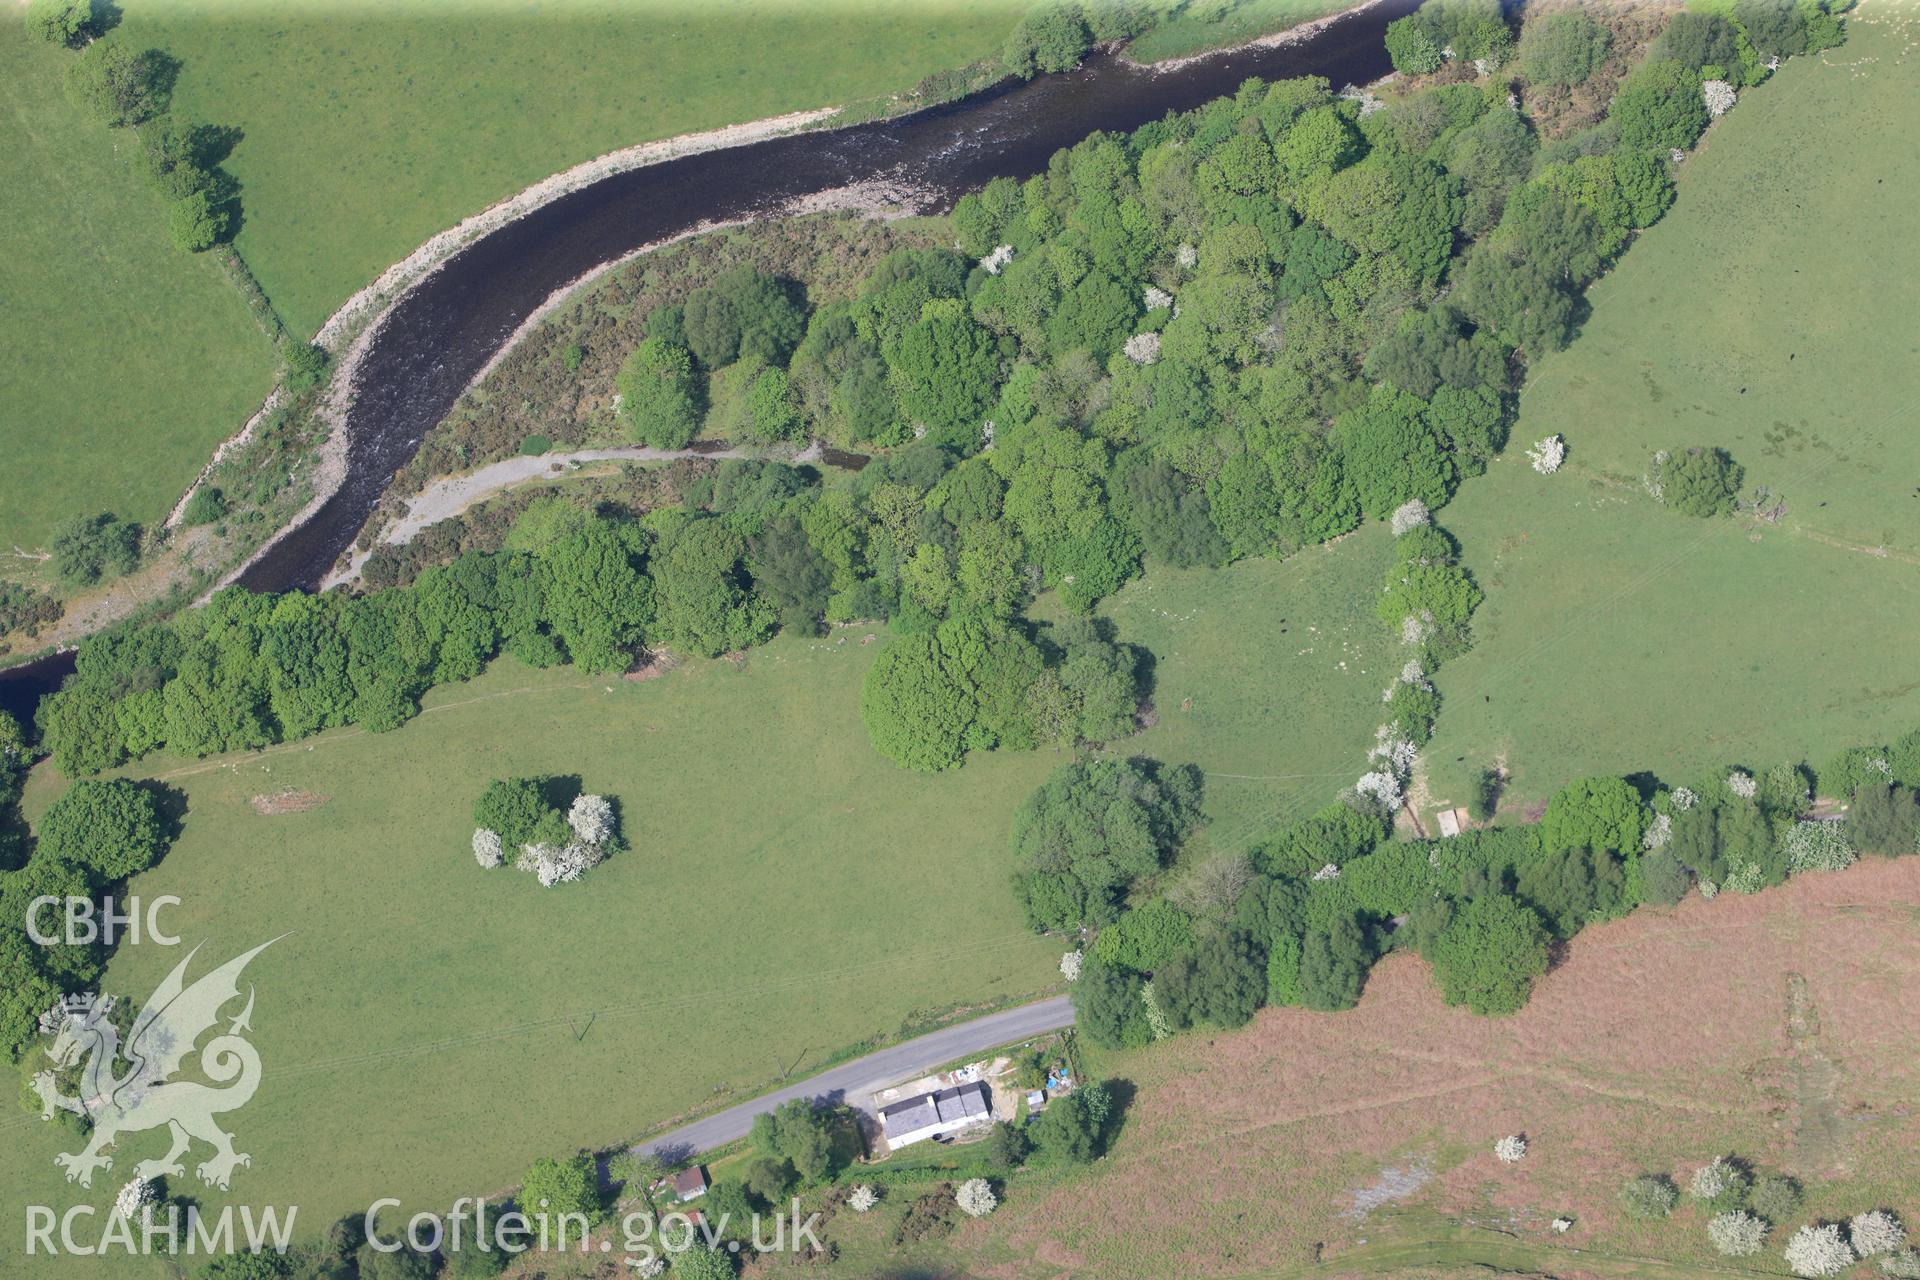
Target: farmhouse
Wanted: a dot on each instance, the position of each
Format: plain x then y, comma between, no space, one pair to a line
929,1115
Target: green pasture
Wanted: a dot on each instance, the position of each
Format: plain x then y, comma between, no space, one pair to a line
428,1028
126,360
1769,314
371,128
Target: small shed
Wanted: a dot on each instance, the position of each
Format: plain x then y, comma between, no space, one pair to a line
1452,822
690,1184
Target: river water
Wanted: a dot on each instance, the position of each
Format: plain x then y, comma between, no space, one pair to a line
443,333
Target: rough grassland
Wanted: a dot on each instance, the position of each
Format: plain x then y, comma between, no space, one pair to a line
1773,1027
126,361
370,129
429,1028
1769,314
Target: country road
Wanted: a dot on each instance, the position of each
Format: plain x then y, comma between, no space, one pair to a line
851,1081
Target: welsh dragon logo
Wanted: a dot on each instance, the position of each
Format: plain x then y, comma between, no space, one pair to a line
145,1096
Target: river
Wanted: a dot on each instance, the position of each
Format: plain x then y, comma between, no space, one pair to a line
440,335
443,333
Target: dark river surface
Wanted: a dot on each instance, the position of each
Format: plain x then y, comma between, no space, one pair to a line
443,332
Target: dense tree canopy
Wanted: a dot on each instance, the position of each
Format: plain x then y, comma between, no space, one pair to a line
1489,953
1092,831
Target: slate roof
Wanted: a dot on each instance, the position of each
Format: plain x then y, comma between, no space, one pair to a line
945,1106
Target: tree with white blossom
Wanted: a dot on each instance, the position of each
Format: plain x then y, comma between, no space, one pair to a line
1412,673
591,818
1187,256
1156,298
1381,788
1876,1231
1393,749
1818,846
1718,95
650,1268
1143,348
1737,1233
1741,784
863,1198
1410,515
1658,832
560,864
487,849
975,1198
1818,1251
1547,455
1510,1149
994,263
135,1200
1070,964
1331,871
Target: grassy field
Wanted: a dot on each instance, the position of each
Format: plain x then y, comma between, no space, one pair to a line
1771,1027
1768,314
126,360
429,1028
371,129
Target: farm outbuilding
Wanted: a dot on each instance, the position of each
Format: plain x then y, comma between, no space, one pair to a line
935,1114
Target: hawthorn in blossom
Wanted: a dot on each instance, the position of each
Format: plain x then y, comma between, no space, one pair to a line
1382,788
591,818
1818,846
134,1199
996,262
1548,453
1070,965
562,864
1718,95
1143,348
863,1198
1410,515
1741,784
1510,1149
1156,298
1737,1234
1818,1251
975,1198
1876,1231
487,850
